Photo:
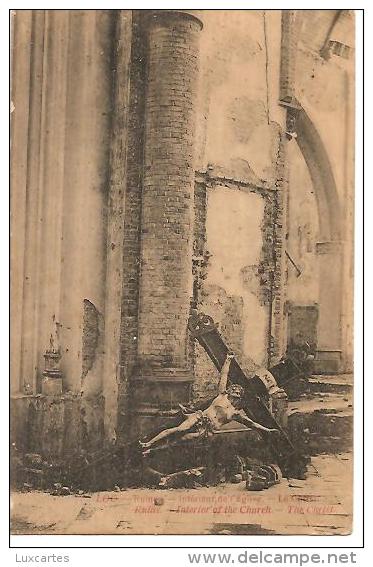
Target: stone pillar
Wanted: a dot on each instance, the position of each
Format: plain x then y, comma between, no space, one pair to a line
62,69
86,156
116,225
348,225
167,208
22,27
41,154
61,125
328,356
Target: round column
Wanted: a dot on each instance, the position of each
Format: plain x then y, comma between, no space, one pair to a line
168,186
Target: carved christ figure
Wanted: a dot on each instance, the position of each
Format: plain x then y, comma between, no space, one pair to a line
224,408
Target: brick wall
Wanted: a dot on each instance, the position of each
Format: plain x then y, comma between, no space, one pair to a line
278,345
132,213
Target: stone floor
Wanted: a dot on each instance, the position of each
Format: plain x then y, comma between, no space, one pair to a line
319,505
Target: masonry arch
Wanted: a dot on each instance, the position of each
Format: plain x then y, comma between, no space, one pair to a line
320,169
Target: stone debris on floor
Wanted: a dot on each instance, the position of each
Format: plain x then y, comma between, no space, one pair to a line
319,505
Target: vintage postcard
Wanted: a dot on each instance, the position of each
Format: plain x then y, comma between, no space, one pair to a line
182,269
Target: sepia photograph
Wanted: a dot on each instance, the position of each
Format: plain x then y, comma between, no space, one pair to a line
182,271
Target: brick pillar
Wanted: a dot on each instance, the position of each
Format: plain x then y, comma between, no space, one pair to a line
167,207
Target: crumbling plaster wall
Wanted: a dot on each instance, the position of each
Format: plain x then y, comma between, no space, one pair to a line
237,98
239,129
231,290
